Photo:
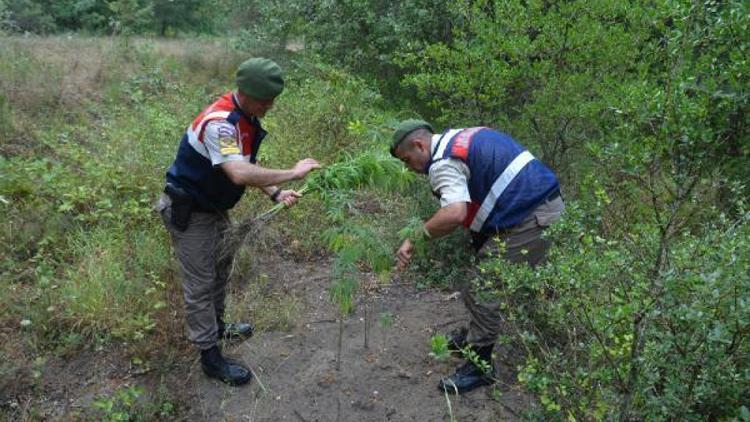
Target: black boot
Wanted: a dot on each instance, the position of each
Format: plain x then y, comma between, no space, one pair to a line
470,376
215,366
236,330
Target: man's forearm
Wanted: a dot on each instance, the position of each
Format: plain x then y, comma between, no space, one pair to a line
445,220
242,173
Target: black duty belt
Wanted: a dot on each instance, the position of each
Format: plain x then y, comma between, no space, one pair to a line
178,195
552,196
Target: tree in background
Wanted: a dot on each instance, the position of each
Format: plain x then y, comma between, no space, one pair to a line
128,17
5,22
188,16
87,15
536,69
365,36
30,16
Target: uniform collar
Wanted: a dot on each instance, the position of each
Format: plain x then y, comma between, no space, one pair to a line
249,117
434,145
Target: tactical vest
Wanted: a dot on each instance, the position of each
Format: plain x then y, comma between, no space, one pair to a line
192,170
506,182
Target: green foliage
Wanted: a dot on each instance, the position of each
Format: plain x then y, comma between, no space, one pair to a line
116,286
354,242
186,15
443,262
5,23
129,16
641,108
29,15
363,36
385,320
327,113
342,294
80,236
599,324
439,349
471,356
118,17
132,404
29,85
118,407
366,169
532,68
6,118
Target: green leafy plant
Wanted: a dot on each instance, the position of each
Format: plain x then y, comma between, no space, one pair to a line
385,321
121,406
470,355
364,170
342,294
439,347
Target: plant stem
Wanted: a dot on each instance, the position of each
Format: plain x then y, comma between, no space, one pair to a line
341,334
278,207
367,325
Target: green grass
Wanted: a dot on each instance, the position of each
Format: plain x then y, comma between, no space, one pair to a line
90,127
116,283
79,185
93,129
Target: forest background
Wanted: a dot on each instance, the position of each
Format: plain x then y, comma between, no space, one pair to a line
641,107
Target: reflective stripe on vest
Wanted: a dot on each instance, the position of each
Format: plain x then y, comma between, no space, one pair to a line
443,143
195,131
498,187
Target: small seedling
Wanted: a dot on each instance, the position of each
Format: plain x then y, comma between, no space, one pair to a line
385,321
496,393
342,293
439,349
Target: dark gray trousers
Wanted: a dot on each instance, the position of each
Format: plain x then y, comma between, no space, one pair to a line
523,243
204,274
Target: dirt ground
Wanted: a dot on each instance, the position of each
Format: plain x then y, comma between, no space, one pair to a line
394,379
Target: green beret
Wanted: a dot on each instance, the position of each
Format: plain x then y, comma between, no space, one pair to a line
260,78
404,128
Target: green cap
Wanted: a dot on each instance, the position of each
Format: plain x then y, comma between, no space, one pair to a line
406,127
260,78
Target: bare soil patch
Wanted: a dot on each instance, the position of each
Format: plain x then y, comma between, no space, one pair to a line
392,380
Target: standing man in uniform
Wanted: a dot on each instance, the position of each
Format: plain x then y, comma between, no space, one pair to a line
216,160
497,189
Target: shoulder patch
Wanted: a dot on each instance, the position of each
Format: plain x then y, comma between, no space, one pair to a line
228,146
462,141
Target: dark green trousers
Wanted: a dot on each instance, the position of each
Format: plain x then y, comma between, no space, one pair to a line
523,244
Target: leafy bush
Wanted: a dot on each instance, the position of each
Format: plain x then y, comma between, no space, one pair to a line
605,335
362,36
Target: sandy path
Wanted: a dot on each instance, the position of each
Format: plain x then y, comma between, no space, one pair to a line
393,380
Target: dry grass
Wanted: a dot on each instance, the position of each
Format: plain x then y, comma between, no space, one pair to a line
267,306
67,78
60,72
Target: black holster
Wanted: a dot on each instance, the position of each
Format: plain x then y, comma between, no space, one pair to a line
182,206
